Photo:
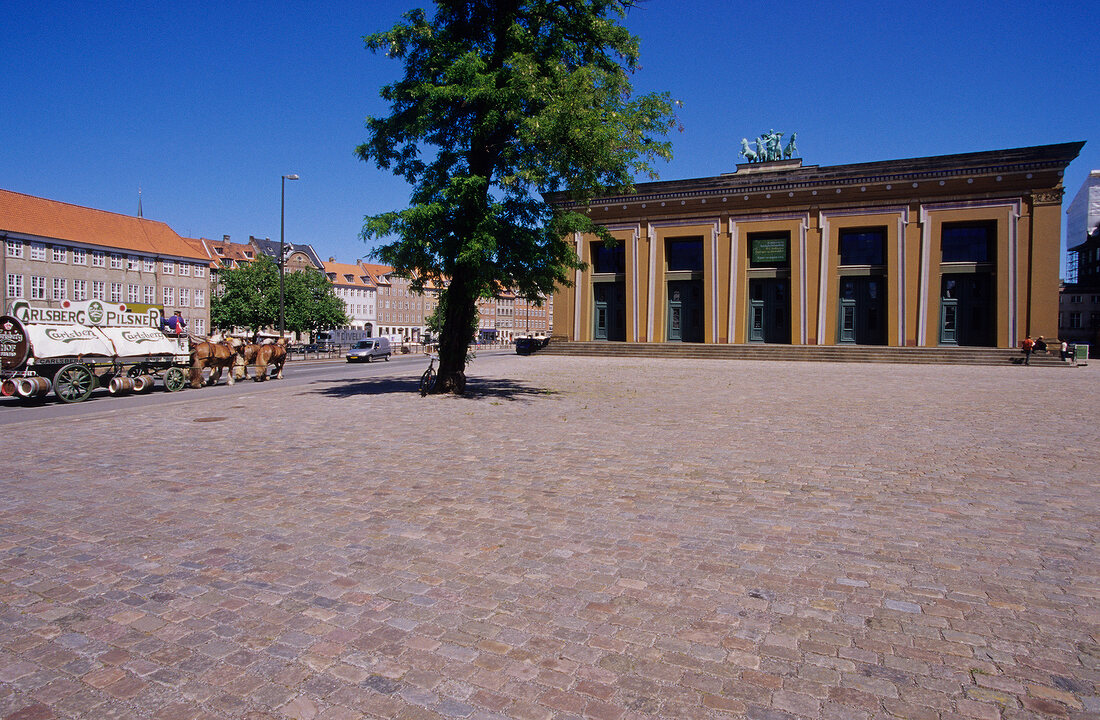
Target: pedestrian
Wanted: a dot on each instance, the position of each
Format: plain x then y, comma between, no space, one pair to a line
1041,346
1065,351
1029,344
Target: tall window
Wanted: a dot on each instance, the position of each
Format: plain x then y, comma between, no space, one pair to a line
185,297
14,248
97,290
685,254
80,289
863,246
132,262
15,286
133,293
967,242
608,259
116,292
200,271
116,261
148,264
168,267
169,297
80,256
199,325
185,269
59,254
150,294
38,287
200,298
97,258
59,289
38,251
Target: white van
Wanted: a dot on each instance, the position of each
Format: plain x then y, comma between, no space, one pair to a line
367,350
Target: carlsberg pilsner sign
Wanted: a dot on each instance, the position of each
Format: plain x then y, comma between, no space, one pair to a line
87,312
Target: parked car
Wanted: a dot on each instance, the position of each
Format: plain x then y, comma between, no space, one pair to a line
367,350
528,345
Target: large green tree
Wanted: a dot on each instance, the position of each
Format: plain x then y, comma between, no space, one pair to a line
248,297
501,102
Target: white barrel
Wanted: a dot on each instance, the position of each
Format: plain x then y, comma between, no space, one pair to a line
120,385
32,387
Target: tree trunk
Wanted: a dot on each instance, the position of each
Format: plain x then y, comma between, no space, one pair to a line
455,339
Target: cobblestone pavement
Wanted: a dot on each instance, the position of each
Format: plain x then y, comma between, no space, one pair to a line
590,538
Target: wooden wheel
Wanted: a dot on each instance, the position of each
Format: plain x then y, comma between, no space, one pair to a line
174,379
73,383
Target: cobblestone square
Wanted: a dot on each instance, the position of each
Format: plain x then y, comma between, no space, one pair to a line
580,538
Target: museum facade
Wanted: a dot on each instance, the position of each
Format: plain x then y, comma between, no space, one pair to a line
934,251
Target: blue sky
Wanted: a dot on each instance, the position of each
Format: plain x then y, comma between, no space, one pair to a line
204,105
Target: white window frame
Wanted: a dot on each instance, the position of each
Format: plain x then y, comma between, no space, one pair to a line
169,295
15,285
168,267
150,294
185,269
98,259
148,264
116,292
60,289
38,287
200,271
80,289
117,261
80,256
98,290
200,298
133,292
132,262
60,254
38,251
13,248
185,297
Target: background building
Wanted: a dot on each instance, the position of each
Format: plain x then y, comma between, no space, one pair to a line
54,251
945,250
356,287
1079,303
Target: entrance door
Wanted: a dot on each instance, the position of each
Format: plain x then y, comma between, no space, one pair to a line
862,310
967,310
769,310
685,311
609,311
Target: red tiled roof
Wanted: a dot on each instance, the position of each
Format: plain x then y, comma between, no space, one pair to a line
29,215
342,270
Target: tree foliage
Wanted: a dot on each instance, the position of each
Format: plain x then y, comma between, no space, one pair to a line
248,297
501,102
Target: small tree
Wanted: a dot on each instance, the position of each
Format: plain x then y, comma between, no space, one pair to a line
501,102
311,303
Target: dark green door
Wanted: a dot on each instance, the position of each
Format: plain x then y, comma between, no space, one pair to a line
609,311
685,311
769,310
967,310
862,310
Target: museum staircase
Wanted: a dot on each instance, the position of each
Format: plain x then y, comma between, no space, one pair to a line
813,353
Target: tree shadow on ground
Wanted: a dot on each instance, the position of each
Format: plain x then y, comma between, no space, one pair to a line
476,388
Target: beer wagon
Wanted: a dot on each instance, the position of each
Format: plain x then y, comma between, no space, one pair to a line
80,346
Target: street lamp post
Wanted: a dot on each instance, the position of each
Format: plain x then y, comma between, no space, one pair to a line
282,254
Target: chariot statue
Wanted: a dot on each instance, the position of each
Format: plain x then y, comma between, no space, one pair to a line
769,148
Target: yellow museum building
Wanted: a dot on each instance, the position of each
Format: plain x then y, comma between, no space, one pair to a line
934,251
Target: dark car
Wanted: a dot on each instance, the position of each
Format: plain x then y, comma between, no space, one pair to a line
528,345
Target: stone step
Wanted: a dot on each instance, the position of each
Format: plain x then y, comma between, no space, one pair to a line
818,353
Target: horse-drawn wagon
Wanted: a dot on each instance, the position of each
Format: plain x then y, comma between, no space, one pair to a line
80,346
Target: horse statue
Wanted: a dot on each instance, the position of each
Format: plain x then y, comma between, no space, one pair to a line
260,356
790,150
212,355
749,154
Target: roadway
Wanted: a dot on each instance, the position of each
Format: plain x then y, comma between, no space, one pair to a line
297,373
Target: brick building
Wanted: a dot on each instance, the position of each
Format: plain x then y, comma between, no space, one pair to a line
56,251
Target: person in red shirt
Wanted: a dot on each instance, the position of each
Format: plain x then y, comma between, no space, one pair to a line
1029,344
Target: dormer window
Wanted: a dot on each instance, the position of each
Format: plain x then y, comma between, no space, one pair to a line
219,250
248,254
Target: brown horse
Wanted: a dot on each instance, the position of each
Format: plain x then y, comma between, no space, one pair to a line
260,356
214,356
